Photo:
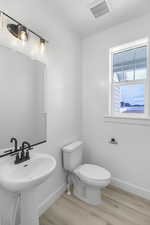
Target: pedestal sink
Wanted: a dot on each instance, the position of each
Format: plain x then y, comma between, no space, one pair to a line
24,178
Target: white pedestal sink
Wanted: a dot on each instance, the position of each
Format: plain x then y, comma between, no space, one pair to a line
24,178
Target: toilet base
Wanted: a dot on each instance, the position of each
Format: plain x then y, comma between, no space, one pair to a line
87,193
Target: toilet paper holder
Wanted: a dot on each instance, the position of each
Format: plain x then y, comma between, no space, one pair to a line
113,141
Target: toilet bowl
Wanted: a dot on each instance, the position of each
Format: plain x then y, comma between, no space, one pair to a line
87,179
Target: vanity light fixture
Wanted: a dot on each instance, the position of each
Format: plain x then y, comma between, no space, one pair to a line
21,32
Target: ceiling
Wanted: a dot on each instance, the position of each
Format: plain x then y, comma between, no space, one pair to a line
77,12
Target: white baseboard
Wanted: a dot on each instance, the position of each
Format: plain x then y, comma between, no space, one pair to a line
142,192
51,199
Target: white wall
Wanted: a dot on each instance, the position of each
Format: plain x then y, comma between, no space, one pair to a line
129,161
63,79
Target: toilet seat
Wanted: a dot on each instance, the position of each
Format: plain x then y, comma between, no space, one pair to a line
93,174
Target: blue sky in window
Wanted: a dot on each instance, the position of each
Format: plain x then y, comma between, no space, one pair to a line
132,94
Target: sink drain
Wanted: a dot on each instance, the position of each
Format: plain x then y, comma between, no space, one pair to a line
25,165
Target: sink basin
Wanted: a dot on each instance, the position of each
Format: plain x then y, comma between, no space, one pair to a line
24,178
26,175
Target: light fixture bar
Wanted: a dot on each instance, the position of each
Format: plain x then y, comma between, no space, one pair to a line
16,21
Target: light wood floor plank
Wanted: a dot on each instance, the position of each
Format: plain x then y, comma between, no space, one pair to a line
128,200
44,221
102,212
118,208
125,213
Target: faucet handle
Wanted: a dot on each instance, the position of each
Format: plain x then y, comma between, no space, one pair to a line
26,145
22,154
27,154
17,160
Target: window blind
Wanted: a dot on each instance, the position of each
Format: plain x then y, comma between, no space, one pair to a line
130,60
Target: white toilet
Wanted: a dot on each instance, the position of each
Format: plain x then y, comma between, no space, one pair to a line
87,179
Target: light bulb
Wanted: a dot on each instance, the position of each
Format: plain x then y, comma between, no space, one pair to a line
22,33
23,36
42,45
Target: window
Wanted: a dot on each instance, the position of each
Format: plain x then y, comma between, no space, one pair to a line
129,80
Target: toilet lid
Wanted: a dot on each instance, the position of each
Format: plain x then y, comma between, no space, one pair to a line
93,172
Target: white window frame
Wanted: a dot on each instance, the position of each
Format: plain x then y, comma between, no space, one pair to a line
124,47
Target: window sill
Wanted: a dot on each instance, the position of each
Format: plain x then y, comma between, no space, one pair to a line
145,121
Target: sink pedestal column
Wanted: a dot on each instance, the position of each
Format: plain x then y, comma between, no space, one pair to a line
29,208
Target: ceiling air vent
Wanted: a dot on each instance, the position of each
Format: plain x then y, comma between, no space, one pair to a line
99,8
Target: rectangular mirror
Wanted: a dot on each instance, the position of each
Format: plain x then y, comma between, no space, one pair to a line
22,98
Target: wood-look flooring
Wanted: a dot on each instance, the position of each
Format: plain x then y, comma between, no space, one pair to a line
118,208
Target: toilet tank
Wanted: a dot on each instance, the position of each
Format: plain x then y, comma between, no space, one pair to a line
72,155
